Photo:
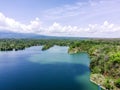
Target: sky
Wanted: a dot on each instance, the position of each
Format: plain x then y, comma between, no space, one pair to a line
75,18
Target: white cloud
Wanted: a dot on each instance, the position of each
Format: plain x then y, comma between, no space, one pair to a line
92,30
56,29
7,23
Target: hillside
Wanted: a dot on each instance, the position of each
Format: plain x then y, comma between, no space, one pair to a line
8,34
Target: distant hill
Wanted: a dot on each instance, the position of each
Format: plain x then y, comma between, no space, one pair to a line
8,34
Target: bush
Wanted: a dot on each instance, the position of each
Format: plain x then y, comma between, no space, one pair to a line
117,83
107,85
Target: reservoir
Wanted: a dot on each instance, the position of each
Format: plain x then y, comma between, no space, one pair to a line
53,69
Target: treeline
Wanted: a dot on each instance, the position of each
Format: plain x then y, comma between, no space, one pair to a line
21,44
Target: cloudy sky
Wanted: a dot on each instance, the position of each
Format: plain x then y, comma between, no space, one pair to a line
77,18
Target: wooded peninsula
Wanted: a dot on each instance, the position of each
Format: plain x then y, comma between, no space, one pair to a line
104,55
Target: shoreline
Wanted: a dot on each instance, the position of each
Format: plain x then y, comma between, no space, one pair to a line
97,84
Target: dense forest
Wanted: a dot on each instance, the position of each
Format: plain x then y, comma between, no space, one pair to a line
104,55
20,44
105,60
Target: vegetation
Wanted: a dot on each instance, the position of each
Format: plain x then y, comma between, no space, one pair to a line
117,83
45,47
104,55
20,44
105,60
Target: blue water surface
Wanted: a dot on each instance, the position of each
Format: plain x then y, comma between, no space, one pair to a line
53,69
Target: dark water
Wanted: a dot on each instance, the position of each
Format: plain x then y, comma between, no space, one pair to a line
54,69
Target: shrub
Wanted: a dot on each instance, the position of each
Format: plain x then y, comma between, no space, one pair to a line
117,83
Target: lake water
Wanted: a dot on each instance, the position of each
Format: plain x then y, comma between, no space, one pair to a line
53,69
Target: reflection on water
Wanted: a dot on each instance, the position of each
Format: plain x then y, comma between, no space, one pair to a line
53,69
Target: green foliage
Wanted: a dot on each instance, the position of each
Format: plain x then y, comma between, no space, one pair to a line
20,44
117,83
96,70
107,85
45,47
115,58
